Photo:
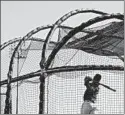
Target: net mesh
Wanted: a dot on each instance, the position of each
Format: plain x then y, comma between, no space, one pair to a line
64,90
109,37
66,95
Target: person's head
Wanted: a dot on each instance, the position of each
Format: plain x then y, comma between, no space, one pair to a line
96,79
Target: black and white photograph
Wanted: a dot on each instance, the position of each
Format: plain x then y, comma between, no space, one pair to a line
62,57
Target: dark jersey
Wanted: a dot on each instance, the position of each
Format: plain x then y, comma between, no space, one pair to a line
91,91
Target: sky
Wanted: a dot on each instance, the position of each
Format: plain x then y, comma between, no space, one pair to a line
20,17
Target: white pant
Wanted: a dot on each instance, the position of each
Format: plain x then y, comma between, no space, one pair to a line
87,108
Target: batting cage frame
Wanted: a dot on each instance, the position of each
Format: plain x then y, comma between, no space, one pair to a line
45,62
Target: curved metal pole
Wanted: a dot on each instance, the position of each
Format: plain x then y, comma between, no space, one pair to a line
7,109
42,62
5,44
64,69
59,22
44,65
76,30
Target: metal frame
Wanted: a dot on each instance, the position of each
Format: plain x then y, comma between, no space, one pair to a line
45,63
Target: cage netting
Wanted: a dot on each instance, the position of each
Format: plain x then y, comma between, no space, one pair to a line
93,48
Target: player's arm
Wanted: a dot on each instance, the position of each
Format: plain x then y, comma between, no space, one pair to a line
86,81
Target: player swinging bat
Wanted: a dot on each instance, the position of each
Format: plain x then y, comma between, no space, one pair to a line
91,93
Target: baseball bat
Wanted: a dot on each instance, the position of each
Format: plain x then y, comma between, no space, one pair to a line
107,87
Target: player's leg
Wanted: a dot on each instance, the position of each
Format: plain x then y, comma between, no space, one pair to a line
93,110
86,108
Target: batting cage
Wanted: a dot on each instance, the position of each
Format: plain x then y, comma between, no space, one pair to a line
42,76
